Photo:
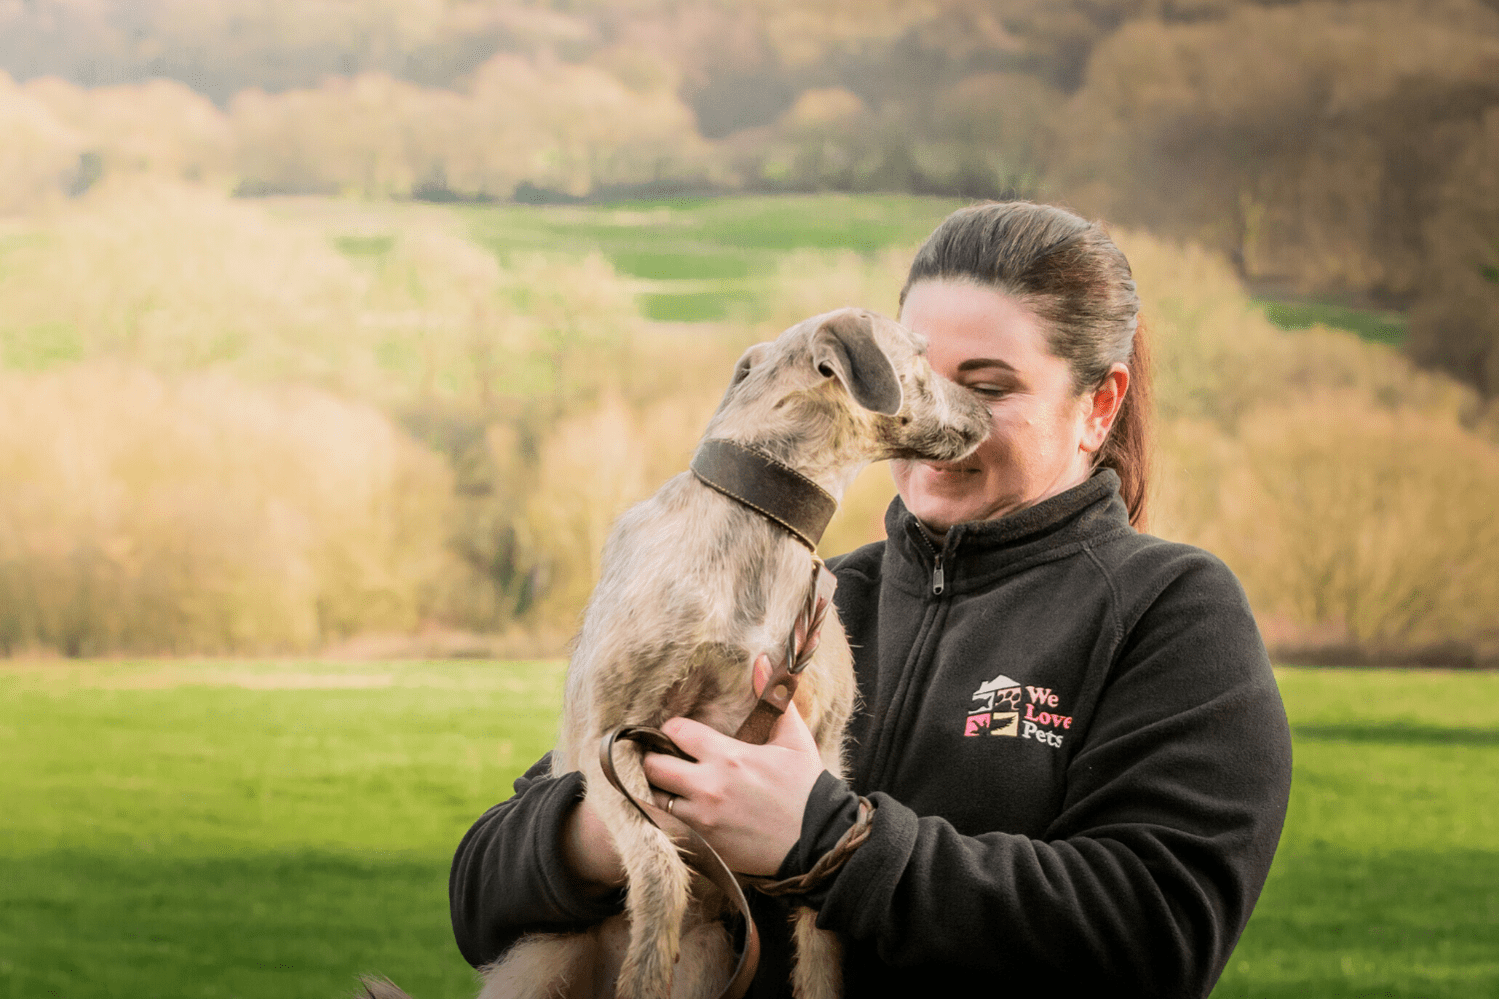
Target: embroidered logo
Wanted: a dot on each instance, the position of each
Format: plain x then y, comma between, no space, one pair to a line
997,707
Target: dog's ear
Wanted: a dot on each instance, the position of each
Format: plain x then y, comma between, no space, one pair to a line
748,360
844,348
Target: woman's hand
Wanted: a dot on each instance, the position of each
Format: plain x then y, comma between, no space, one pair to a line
746,801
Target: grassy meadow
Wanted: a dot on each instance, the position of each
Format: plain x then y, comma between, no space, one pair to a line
273,828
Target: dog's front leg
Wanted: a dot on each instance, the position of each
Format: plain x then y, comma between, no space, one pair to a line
657,880
827,693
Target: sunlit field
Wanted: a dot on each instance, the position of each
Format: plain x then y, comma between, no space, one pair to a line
176,828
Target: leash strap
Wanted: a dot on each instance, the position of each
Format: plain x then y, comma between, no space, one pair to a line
695,850
786,672
771,488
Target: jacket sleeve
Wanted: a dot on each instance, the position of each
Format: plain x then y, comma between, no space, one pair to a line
508,877
1173,808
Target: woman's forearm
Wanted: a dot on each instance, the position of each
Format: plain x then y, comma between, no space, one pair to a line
510,875
588,852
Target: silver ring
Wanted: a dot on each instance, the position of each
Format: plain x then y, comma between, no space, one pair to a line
669,802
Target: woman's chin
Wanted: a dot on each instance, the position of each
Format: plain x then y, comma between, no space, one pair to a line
939,513
941,495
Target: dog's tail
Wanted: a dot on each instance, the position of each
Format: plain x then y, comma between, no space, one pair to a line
371,987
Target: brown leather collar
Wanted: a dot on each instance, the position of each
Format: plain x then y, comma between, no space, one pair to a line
771,488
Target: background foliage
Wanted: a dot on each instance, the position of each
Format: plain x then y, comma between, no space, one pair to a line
1337,151
288,423
402,302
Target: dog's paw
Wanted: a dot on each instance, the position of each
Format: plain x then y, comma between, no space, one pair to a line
650,977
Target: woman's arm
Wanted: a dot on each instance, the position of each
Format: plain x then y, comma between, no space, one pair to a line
537,862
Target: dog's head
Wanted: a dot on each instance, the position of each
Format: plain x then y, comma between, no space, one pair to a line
840,390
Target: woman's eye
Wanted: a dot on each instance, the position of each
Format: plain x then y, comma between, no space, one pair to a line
986,391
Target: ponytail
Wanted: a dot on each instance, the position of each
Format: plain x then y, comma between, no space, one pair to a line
1127,450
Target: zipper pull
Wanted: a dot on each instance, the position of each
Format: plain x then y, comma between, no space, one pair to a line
939,581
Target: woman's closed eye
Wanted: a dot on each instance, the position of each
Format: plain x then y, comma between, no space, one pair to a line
988,390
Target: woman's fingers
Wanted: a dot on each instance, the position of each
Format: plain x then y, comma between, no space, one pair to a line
747,800
667,773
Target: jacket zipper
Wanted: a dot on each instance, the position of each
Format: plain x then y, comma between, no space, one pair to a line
918,667
939,578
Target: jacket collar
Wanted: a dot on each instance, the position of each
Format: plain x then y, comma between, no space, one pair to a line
976,553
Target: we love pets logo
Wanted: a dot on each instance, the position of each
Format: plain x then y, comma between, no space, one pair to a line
1003,707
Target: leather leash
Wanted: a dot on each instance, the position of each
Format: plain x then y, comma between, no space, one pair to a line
789,499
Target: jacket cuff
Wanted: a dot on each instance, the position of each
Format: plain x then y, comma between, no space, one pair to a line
831,810
561,886
857,899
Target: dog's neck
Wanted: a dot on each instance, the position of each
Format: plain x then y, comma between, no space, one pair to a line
766,485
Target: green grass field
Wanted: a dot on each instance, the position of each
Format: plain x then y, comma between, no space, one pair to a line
271,829
1374,325
703,259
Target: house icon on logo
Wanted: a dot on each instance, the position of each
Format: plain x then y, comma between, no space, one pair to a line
998,688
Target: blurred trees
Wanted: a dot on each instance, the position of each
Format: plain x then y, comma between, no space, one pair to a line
567,128
202,515
1327,148
1348,490
1330,149
233,437
39,158
211,307
1322,149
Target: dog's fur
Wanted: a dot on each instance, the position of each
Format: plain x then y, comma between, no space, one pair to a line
694,587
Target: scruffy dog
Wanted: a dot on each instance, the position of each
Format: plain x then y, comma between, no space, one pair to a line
694,586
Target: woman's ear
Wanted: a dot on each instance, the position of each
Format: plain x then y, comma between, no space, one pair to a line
1105,402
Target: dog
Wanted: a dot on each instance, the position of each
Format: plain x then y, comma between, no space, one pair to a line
694,586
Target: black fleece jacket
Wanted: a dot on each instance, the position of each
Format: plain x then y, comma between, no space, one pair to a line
1077,752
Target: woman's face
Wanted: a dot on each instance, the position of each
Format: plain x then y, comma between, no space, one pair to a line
1043,432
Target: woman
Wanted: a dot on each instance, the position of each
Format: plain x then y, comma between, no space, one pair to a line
1070,732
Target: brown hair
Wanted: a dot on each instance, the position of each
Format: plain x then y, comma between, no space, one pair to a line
1068,272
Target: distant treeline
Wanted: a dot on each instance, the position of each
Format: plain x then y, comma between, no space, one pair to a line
221,434
1337,150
